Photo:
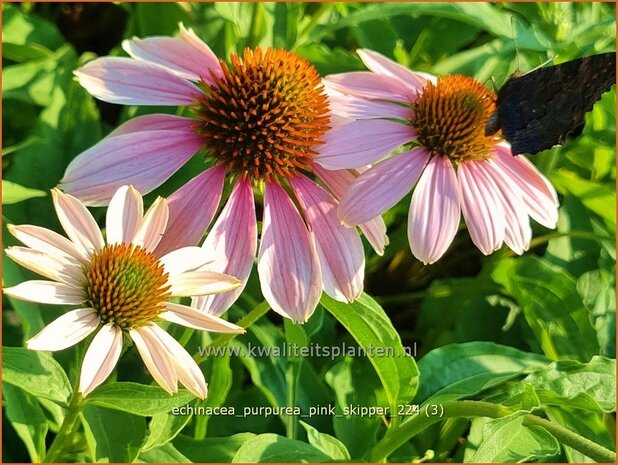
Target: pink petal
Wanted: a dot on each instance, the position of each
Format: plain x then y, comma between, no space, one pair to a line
124,215
339,181
185,259
101,358
65,270
144,159
47,292
384,66
536,191
66,331
194,283
187,371
369,85
47,241
208,57
348,106
288,263
78,223
156,357
130,82
361,143
382,186
177,56
192,318
481,207
340,250
233,243
192,208
154,122
434,211
153,225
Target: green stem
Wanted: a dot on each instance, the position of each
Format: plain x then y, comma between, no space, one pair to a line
396,437
253,29
255,314
316,18
186,336
292,371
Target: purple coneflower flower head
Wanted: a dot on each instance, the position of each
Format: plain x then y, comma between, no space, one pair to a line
261,121
434,127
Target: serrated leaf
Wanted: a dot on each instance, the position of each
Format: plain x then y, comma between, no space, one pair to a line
138,399
163,428
37,373
274,448
213,450
326,443
166,453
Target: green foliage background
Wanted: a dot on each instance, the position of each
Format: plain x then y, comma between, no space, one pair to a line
521,334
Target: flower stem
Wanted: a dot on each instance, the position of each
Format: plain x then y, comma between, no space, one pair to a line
69,424
396,437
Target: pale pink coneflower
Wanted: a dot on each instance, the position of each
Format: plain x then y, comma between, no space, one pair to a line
436,128
121,287
261,121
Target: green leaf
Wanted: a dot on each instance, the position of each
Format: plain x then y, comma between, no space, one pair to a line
37,373
211,450
326,443
22,29
508,440
463,370
552,306
367,322
13,192
598,290
138,399
27,418
113,436
163,428
158,18
274,448
166,453
285,27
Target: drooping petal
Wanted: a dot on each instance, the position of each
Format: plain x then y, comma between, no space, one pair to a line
156,357
362,142
47,241
185,259
192,208
47,292
382,186
130,82
339,181
176,55
434,211
187,371
233,242
191,318
66,331
194,283
340,250
124,215
481,207
348,106
64,270
154,122
78,223
536,191
288,263
369,85
517,233
101,358
153,225
384,66
208,57
144,159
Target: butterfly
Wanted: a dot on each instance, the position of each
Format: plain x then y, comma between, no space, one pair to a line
540,109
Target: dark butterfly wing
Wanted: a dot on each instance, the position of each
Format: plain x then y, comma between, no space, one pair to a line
538,110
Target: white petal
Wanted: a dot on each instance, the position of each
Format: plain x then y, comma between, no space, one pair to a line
194,283
185,259
47,241
124,215
66,330
192,318
66,270
101,358
153,225
47,292
156,357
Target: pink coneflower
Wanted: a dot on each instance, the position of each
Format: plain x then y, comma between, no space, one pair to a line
261,121
120,286
436,126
